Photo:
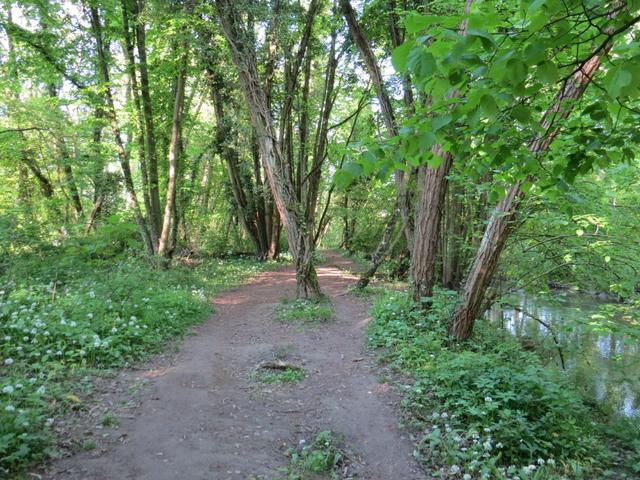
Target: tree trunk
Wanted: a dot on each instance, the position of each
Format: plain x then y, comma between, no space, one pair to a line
501,221
432,187
45,185
401,179
378,256
282,187
174,157
110,114
129,7
154,190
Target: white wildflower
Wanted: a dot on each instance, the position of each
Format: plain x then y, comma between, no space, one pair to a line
7,389
8,361
10,408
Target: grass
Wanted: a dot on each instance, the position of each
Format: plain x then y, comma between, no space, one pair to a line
109,421
80,309
305,310
273,376
321,458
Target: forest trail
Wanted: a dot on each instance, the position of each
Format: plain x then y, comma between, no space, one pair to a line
202,417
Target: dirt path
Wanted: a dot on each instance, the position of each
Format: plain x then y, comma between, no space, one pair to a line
201,417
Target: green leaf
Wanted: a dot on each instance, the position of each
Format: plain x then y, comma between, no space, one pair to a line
547,72
534,53
434,160
535,5
618,81
488,43
421,63
516,71
352,168
415,22
489,106
427,140
438,122
399,56
521,113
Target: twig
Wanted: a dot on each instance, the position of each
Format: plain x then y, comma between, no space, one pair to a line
545,324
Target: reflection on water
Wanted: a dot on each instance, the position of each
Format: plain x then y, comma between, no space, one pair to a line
605,365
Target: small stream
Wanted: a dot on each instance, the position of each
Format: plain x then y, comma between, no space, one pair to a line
606,366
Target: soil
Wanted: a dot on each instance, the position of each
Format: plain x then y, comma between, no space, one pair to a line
197,414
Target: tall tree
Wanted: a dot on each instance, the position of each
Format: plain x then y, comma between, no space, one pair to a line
270,140
403,202
110,114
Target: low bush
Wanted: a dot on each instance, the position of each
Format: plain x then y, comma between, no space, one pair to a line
485,408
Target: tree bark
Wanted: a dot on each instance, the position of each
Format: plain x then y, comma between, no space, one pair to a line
129,7
45,184
110,114
432,191
300,240
401,179
147,108
170,208
502,219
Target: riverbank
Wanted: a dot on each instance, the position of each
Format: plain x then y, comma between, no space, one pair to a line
488,408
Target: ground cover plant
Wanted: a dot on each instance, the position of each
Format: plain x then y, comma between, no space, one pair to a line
80,308
322,457
486,408
281,375
305,310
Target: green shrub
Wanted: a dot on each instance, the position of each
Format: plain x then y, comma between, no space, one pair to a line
487,408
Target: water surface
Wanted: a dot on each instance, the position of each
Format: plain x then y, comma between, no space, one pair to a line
605,365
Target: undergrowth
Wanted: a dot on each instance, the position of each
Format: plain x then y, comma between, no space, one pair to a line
323,457
286,375
305,310
487,409
89,305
